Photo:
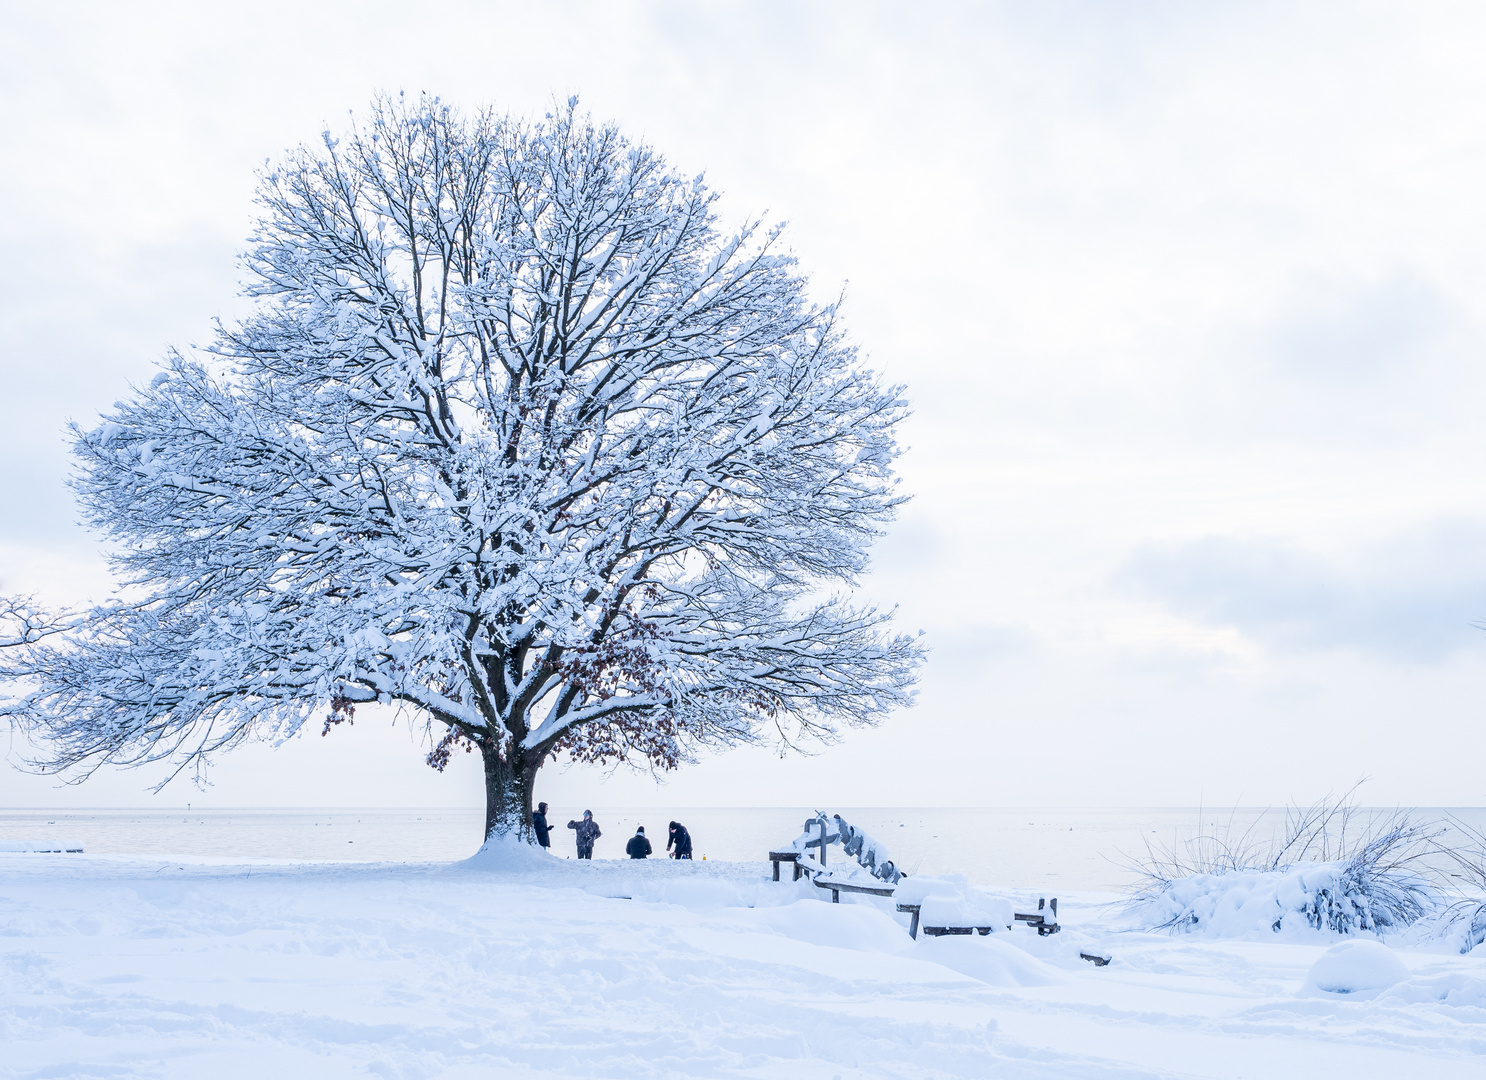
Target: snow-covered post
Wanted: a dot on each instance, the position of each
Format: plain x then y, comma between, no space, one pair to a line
515,438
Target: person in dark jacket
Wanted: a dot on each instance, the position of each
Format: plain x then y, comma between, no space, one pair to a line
682,839
588,832
638,847
539,825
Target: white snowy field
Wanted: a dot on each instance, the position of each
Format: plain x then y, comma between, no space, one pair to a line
116,966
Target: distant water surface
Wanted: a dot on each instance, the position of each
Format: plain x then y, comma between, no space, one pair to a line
1047,849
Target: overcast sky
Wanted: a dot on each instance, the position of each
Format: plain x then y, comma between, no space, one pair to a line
1190,301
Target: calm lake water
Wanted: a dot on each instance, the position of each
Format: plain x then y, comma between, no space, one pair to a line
1046,849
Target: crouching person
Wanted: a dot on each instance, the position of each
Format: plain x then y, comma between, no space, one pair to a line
681,839
587,832
638,847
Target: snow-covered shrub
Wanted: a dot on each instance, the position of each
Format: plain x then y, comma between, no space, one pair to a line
1339,896
1465,918
1332,868
1462,924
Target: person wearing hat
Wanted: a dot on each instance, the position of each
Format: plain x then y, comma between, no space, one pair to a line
539,826
682,839
588,832
638,847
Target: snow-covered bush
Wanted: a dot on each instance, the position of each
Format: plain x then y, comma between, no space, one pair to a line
1342,897
1465,918
1332,868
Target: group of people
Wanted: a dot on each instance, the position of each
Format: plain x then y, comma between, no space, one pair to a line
678,844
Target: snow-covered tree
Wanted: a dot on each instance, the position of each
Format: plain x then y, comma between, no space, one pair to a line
515,437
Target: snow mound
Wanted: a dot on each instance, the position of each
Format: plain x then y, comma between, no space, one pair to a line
1319,896
693,892
971,908
953,901
992,960
914,890
1358,965
842,926
509,853
1457,990
695,886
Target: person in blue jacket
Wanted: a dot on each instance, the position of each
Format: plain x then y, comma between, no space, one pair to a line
539,825
638,847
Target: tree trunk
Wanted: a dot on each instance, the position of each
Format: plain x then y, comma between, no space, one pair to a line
508,794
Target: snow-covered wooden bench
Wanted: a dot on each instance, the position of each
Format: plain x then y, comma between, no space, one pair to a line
913,911
1040,921
940,909
838,887
791,857
950,916
809,852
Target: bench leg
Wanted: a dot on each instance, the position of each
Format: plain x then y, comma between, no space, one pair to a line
913,927
799,870
835,896
776,869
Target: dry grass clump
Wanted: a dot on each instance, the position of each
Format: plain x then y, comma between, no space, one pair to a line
1367,870
1466,851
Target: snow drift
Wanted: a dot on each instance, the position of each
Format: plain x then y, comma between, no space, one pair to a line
1353,966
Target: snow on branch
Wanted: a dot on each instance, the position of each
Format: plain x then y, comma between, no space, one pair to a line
516,436
24,621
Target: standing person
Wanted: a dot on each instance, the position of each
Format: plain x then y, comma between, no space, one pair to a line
682,839
638,847
588,832
539,825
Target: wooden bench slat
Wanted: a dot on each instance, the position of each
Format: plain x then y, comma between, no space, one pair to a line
838,887
791,857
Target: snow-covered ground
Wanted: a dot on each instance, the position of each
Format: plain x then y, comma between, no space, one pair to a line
139,967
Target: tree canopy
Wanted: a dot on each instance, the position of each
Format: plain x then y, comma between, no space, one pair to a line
516,436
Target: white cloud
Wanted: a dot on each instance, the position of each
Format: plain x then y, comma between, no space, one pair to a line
1418,598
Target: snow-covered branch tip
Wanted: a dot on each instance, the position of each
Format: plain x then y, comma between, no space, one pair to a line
24,621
